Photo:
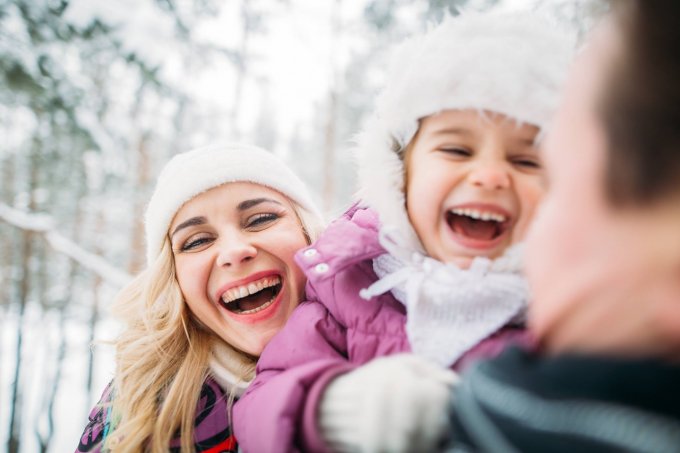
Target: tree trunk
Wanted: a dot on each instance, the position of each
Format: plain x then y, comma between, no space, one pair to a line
94,315
328,192
241,68
137,244
40,292
52,386
13,443
9,237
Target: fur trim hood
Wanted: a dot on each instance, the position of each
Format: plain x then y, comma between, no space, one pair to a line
510,63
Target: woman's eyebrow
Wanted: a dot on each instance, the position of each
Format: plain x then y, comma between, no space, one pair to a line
247,204
191,222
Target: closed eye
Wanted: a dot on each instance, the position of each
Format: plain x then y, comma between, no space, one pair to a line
456,151
528,163
260,221
195,243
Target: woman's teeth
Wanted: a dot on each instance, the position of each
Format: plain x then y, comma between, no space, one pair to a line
239,292
252,297
240,311
479,215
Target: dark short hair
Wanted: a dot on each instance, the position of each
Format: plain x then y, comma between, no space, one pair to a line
640,106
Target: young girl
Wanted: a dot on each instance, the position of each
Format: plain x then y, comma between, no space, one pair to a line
221,229
451,177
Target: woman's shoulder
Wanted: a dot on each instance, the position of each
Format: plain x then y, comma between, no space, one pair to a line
98,423
212,430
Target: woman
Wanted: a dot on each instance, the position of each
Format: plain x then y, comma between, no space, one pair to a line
222,227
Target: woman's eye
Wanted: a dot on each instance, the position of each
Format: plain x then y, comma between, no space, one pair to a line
261,220
195,243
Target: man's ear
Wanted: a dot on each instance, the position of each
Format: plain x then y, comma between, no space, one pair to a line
667,290
668,319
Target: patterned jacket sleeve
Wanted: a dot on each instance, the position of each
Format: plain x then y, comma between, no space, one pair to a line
277,412
97,426
212,432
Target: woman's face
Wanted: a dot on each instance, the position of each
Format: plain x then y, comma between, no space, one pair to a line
233,248
601,276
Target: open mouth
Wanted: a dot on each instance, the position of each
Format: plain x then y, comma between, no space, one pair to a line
477,225
253,297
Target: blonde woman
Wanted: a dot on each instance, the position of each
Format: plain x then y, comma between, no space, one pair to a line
222,227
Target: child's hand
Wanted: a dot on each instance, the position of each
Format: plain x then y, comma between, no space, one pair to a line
392,404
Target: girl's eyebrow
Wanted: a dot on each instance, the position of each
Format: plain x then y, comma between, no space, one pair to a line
453,130
528,142
247,204
191,222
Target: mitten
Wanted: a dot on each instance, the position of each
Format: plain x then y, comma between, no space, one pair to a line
392,404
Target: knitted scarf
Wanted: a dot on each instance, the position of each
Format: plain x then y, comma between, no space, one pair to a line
224,362
449,310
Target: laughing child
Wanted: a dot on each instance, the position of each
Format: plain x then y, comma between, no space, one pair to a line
429,262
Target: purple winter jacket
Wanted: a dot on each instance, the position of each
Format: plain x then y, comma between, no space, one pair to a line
212,433
333,332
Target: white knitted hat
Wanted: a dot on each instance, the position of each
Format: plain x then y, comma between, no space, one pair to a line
193,172
510,63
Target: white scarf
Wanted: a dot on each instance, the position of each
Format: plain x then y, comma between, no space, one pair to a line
449,310
223,362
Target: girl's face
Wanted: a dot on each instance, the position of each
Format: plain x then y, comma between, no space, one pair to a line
473,182
233,248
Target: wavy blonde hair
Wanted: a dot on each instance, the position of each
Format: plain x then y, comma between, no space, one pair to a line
162,357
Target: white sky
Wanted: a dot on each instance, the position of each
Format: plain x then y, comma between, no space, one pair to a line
293,56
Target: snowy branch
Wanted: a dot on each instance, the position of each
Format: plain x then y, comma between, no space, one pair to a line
44,224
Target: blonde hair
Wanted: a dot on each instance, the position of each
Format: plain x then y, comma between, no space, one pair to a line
162,357
312,225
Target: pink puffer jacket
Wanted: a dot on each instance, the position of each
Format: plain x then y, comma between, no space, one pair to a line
333,332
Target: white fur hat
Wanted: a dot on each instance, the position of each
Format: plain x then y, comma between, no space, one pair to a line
510,63
193,172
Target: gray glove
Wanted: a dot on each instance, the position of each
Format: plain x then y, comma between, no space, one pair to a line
392,404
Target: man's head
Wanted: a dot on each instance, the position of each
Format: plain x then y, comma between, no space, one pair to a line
604,251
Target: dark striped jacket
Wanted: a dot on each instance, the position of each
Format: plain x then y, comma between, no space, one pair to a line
523,402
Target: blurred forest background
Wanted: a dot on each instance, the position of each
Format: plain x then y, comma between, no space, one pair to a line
96,95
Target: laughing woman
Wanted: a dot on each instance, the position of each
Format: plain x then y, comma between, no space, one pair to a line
222,227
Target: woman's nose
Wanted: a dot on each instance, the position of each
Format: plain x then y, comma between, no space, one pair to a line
235,250
490,176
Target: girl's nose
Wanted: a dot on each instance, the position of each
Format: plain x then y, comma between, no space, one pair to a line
235,250
490,176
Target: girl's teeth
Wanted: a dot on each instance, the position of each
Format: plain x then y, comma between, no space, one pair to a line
479,215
